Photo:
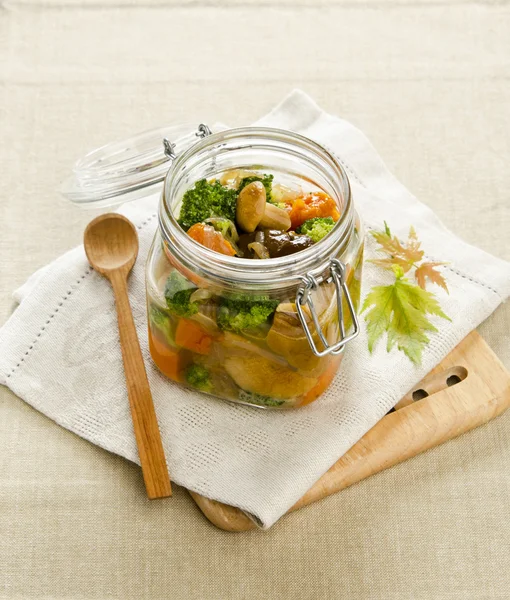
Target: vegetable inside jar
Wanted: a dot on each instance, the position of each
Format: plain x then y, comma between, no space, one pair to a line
253,279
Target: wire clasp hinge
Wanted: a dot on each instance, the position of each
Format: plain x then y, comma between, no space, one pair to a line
203,131
169,147
338,273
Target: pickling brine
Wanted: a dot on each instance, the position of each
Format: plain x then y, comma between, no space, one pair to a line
253,280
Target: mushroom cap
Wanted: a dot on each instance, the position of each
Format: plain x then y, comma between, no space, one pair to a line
251,206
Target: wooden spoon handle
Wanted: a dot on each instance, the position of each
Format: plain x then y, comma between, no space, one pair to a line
148,438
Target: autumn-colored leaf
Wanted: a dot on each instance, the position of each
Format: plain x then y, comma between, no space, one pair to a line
405,256
388,263
427,271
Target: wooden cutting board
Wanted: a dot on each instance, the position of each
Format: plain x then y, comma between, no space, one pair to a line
468,388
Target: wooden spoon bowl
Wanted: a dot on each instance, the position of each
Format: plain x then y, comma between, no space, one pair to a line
111,242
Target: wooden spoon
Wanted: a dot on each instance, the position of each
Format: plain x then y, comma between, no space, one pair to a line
111,245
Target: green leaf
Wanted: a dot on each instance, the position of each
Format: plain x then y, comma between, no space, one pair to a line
401,310
378,319
398,270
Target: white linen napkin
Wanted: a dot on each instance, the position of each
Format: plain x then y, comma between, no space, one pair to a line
60,351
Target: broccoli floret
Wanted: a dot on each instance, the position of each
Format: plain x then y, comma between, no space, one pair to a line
177,294
252,398
198,377
238,311
206,200
317,228
266,180
160,321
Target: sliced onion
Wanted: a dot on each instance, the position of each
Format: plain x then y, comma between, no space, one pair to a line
231,340
206,321
282,193
200,295
230,233
233,178
260,250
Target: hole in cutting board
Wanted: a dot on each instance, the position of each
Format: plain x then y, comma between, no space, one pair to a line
432,384
452,380
455,375
439,381
419,394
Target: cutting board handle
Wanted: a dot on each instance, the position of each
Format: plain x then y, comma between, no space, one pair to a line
468,388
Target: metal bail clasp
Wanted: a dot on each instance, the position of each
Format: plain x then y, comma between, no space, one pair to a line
203,131
303,298
169,147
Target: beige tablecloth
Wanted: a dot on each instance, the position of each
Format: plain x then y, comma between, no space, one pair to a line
429,84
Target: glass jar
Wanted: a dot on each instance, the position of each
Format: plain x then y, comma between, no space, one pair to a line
309,300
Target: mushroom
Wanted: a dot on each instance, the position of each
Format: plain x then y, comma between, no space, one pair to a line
253,211
271,243
262,376
275,218
287,337
251,206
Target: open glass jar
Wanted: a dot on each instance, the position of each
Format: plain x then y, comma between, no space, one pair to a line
268,333
308,300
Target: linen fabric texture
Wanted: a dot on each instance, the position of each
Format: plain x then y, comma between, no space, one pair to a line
60,349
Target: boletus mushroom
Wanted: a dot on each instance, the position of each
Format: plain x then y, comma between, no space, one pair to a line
253,211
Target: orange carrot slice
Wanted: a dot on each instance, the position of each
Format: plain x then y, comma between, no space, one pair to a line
316,204
191,336
210,238
168,360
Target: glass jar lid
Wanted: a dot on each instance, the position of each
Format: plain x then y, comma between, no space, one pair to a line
127,170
